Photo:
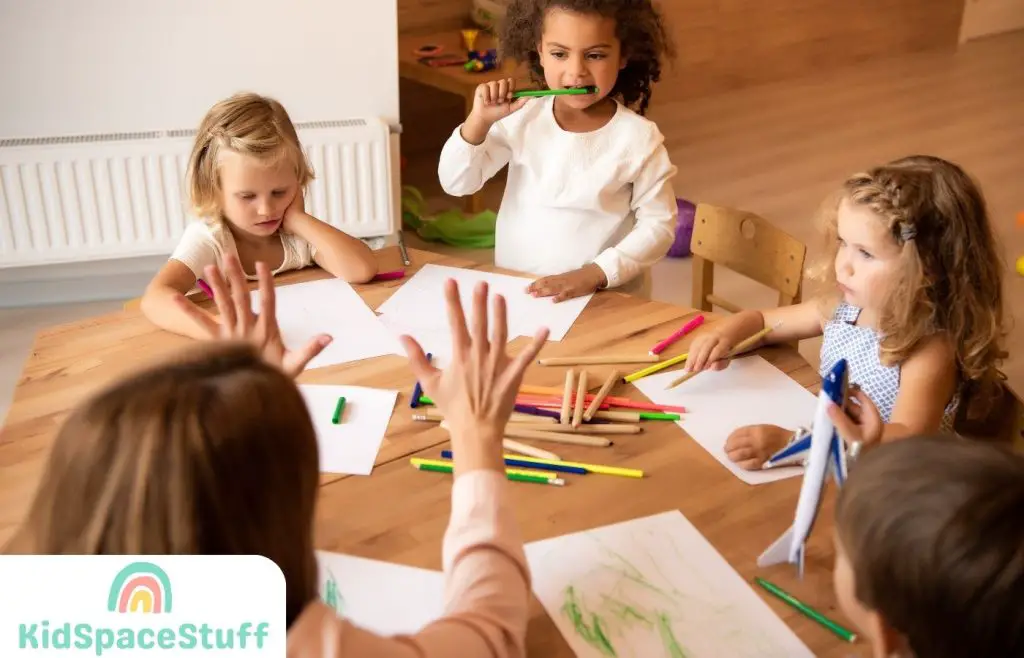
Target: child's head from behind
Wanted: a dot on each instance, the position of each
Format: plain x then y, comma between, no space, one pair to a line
911,241
930,549
247,164
617,46
213,453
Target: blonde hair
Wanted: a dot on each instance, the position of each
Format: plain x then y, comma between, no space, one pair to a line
212,453
950,274
249,124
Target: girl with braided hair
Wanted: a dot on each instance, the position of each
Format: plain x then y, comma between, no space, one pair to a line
913,302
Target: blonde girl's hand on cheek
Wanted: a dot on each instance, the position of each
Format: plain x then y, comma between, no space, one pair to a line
295,209
584,281
238,322
750,447
477,390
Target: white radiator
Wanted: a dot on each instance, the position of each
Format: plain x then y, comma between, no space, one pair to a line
82,198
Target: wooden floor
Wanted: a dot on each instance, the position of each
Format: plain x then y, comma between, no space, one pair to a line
778,150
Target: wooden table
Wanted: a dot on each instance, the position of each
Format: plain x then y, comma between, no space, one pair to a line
401,513
453,79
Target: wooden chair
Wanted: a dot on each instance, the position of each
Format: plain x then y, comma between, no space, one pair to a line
749,245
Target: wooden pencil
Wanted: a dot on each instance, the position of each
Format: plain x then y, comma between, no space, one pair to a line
434,415
581,399
597,360
595,404
529,451
619,416
514,432
567,397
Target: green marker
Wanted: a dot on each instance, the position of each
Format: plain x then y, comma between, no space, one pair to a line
571,91
338,410
654,415
808,611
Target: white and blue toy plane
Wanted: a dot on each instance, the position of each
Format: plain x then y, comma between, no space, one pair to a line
822,452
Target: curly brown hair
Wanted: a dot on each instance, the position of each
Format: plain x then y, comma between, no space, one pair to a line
951,273
638,26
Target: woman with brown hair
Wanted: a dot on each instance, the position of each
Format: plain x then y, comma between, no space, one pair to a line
215,453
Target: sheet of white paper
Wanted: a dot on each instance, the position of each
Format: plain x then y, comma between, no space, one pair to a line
351,446
386,598
330,306
750,391
420,300
655,587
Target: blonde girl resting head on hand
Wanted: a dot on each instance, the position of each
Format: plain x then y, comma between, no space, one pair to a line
246,179
913,303
215,453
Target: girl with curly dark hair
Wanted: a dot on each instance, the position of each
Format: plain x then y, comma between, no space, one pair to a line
589,202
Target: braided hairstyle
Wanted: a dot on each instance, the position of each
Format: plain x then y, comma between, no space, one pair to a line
248,124
951,273
638,26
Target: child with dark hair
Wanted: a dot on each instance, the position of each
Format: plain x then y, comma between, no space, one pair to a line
589,202
930,549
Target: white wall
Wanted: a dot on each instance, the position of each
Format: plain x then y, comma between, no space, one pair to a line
93,66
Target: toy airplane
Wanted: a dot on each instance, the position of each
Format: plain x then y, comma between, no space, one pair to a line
822,452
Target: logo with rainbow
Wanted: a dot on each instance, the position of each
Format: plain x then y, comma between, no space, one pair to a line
140,587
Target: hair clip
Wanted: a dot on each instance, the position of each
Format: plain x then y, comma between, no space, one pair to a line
907,232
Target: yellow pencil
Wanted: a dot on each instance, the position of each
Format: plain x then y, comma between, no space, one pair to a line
668,363
593,468
518,471
741,347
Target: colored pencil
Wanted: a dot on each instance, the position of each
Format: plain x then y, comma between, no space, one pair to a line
515,477
511,461
529,451
609,401
570,91
658,367
807,610
541,473
741,347
596,360
598,400
687,328
537,411
530,389
390,276
417,390
205,288
567,397
581,399
605,428
591,468
513,432
339,409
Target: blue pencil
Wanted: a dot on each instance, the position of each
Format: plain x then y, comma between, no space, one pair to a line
417,390
447,454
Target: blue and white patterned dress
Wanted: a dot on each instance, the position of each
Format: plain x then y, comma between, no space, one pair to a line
843,339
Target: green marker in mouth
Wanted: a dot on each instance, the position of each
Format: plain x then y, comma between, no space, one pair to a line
569,91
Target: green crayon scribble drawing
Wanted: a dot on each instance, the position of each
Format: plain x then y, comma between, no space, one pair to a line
595,634
668,637
331,595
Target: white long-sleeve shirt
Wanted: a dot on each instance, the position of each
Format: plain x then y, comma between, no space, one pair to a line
603,196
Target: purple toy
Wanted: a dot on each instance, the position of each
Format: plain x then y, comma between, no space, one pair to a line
684,229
